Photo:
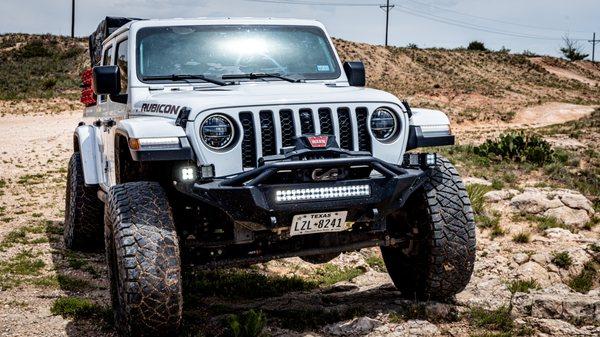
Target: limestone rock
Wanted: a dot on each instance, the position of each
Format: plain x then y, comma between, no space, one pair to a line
357,326
533,270
571,307
499,195
479,181
412,328
577,201
534,202
569,216
521,258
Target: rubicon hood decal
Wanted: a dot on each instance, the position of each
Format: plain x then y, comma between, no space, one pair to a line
161,108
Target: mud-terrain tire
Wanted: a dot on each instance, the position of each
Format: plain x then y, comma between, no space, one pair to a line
439,222
83,211
142,252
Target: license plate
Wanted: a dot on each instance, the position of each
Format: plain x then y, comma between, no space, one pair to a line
318,223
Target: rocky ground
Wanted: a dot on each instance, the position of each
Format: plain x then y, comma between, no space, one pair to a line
536,272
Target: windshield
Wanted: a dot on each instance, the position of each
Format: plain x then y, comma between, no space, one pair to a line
214,51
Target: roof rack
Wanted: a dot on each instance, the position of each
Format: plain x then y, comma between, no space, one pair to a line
106,27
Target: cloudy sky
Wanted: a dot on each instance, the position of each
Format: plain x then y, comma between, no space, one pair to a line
535,25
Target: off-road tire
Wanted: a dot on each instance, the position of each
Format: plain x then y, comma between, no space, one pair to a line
142,252
438,220
83,211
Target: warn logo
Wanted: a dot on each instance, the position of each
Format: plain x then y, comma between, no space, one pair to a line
161,108
318,141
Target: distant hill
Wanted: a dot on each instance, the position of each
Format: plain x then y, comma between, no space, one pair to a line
473,85
43,71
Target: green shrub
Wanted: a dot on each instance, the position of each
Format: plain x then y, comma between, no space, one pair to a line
517,147
486,221
35,48
584,282
376,263
477,46
522,286
497,231
476,193
249,324
562,260
522,237
499,319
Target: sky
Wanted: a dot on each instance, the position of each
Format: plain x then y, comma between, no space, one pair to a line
533,25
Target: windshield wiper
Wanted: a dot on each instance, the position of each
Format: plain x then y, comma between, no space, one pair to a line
254,76
185,77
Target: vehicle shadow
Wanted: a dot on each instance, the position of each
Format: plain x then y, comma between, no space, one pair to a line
83,280
212,297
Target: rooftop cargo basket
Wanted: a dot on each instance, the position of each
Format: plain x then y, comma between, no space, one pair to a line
105,28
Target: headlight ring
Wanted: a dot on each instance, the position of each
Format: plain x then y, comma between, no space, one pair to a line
217,132
384,124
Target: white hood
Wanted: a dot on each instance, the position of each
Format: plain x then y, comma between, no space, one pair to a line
252,94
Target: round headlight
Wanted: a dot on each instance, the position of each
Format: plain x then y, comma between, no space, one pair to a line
217,131
384,124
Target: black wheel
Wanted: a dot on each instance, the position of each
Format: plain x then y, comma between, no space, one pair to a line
83,211
438,220
142,252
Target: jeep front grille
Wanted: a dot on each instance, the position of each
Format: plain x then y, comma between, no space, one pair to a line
279,127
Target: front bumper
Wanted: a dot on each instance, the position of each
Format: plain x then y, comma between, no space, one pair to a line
251,197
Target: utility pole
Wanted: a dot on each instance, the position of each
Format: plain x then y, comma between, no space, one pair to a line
73,18
387,8
593,41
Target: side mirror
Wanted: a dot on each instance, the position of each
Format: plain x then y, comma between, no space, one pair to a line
355,71
106,80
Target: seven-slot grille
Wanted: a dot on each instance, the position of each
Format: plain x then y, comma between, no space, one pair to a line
278,128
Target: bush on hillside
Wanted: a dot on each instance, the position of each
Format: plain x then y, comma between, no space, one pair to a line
517,147
477,46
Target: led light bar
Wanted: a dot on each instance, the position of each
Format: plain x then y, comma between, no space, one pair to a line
321,193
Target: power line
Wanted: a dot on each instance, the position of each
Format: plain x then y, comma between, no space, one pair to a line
312,3
467,25
424,15
491,19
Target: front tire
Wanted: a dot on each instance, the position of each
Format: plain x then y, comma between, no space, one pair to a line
439,222
142,252
83,211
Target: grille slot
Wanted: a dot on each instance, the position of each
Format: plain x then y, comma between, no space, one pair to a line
364,140
249,140
307,125
288,131
267,132
345,123
325,121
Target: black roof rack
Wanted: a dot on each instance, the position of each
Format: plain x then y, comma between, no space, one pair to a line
106,27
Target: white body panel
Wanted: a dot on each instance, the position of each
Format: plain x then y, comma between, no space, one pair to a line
90,147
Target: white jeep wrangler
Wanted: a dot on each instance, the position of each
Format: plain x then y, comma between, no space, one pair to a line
233,141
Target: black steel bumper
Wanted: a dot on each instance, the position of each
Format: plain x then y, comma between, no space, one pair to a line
248,198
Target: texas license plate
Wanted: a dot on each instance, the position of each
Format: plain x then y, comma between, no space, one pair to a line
318,223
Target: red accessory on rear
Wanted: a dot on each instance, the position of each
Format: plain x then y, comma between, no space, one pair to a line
318,141
87,93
